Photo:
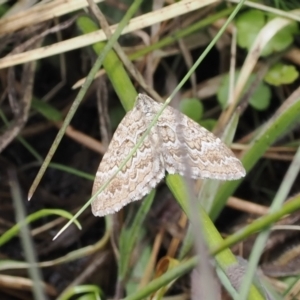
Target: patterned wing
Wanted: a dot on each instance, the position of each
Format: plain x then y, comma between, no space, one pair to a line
193,151
141,173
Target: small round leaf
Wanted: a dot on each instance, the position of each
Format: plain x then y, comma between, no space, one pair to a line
192,107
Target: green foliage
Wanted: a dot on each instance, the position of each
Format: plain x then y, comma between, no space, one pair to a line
281,74
209,124
116,114
83,292
192,107
112,65
14,230
3,9
260,99
138,269
284,118
285,4
248,26
130,234
251,22
46,109
282,40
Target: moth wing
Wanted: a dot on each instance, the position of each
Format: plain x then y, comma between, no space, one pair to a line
141,173
193,151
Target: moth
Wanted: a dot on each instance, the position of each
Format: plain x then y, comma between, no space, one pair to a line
175,144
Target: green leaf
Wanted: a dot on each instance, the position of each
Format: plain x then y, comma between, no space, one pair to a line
192,107
248,26
260,99
281,74
209,124
283,39
47,110
251,22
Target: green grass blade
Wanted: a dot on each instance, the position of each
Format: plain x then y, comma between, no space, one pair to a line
225,258
163,280
261,240
284,118
113,66
13,231
94,291
26,239
130,235
130,12
259,224
195,27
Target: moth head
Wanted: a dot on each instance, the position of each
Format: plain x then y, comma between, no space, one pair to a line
144,104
